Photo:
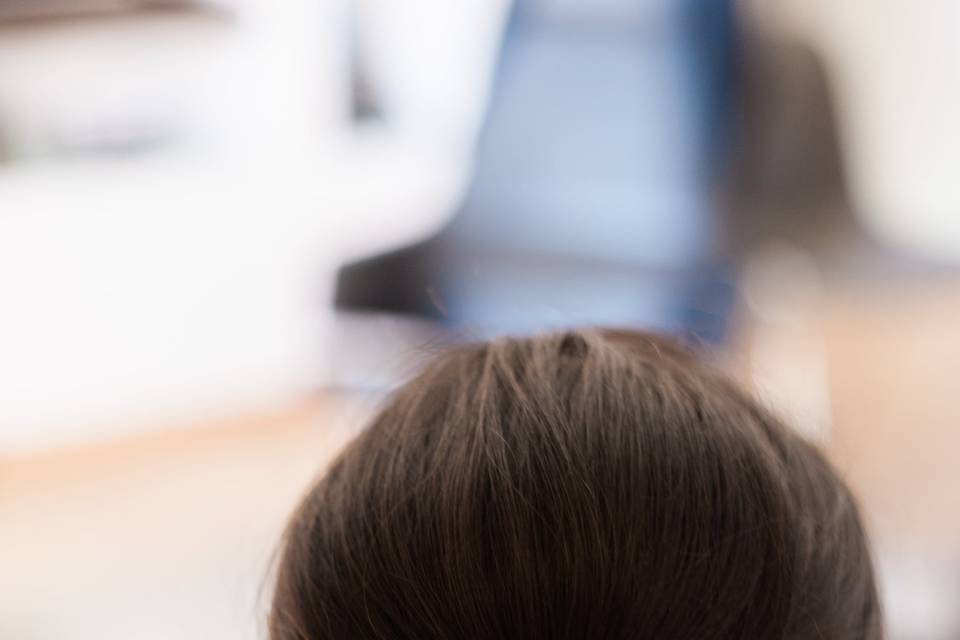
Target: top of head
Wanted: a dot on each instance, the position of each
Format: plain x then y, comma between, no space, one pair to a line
589,484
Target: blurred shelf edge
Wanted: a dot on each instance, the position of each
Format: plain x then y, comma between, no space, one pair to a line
330,411
31,13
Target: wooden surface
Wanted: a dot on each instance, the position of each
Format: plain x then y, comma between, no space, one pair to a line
166,536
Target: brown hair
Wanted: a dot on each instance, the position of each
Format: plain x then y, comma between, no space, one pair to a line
591,484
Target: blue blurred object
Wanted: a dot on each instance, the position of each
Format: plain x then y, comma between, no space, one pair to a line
591,197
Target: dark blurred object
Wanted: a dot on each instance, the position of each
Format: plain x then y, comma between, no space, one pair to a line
364,101
591,198
788,183
788,180
38,9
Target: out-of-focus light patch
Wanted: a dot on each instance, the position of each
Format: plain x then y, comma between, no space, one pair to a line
781,284
61,81
129,291
179,194
900,106
165,286
268,79
920,594
781,287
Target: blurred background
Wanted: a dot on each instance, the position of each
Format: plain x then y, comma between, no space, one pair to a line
228,227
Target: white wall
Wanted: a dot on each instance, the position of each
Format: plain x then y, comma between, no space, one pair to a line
196,278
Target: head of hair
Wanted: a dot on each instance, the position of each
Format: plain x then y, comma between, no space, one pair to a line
587,484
